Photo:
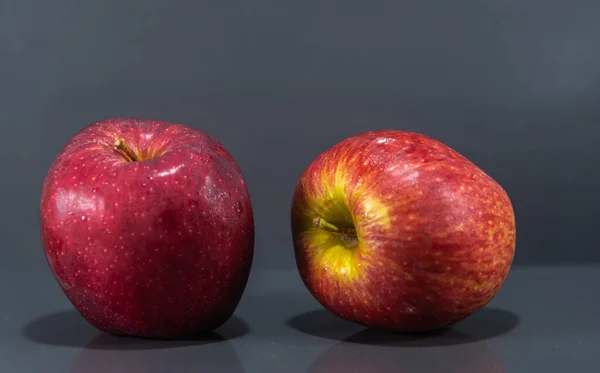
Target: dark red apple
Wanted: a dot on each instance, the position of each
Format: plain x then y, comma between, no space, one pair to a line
397,231
148,228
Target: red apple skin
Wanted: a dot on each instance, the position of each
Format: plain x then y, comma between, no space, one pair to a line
160,247
434,235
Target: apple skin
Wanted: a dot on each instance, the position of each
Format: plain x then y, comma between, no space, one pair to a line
395,230
160,247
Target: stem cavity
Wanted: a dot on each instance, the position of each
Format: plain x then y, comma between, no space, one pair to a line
121,146
323,224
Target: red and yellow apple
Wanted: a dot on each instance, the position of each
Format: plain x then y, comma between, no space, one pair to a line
148,227
395,230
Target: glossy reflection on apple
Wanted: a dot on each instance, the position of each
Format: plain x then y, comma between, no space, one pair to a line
397,231
148,227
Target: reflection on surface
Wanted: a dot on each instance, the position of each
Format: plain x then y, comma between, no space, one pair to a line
372,351
107,353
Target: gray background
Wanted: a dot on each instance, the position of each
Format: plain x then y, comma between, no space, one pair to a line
513,85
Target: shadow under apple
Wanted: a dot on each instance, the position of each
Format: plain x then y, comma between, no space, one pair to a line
69,328
485,324
107,353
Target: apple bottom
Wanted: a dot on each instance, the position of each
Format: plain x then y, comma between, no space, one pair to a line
402,323
394,316
374,291
152,318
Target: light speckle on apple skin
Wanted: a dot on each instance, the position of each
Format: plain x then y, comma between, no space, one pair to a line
145,248
436,234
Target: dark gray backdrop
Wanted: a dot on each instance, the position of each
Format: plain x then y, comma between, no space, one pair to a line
513,85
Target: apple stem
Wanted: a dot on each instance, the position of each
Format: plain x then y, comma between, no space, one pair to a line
121,145
322,223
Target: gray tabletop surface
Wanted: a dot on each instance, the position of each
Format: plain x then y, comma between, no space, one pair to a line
542,320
